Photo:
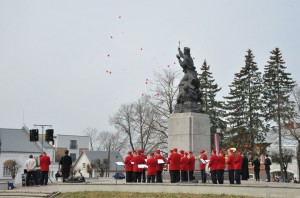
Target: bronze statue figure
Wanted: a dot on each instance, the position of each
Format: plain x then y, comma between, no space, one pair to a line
189,98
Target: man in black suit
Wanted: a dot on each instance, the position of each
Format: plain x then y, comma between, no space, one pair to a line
66,164
267,168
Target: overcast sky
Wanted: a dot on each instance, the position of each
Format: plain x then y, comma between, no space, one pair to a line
54,55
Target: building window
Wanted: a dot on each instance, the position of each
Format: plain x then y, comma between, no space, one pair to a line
83,165
6,172
73,156
73,144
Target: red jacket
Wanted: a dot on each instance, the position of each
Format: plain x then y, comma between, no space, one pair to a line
184,164
160,167
238,162
174,161
127,162
230,162
202,166
221,163
44,162
152,164
137,160
213,162
192,163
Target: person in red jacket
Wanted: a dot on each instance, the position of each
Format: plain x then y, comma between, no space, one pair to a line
137,172
144,170
174,166
128,167
230,166
181,153
159,167
191,166
202,165
213,163
152,164
44,163
184,167
238,167
221,167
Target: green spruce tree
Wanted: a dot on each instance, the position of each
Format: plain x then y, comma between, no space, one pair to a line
244,106
278,86
211,106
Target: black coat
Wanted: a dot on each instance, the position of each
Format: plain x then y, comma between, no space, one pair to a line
267,163
66,163
256,164
245,169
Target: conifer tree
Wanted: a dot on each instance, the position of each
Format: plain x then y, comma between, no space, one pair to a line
244,106
278,86
211,106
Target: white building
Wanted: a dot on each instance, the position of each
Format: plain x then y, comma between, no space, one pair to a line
87,157
15,145
74,143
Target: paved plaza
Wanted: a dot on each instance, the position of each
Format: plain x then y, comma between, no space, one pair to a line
249,188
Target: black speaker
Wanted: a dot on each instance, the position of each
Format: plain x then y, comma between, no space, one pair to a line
49,135
34,135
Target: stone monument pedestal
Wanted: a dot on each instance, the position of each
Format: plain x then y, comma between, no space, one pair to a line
189,132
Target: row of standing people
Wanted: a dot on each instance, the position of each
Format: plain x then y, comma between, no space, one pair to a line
134,173
182,166
31,170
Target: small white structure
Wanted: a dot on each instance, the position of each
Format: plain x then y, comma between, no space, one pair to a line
86,158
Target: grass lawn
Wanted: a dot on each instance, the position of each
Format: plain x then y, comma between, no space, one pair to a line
96,194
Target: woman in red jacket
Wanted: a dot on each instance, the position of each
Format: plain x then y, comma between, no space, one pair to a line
230,166
238,167
152,164
184,167
159,167
213,163
137,172
191,166
202,165
128,167
221,167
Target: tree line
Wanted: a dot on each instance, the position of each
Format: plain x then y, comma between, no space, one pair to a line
256,103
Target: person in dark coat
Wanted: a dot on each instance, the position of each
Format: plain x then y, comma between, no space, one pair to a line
245,169
66,164
267,168
256,167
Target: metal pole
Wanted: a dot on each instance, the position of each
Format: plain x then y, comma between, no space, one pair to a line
42,125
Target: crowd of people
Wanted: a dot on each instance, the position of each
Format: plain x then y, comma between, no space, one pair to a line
31,169
181,166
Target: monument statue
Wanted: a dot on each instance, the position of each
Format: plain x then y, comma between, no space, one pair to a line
189,98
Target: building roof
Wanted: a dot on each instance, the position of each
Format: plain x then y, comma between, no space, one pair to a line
115,156
17,140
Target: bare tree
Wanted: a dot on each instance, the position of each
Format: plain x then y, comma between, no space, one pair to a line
111,141
13,167
123,121
293,125
288,154
93,134
101,166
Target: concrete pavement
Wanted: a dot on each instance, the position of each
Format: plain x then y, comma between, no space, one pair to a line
247,188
